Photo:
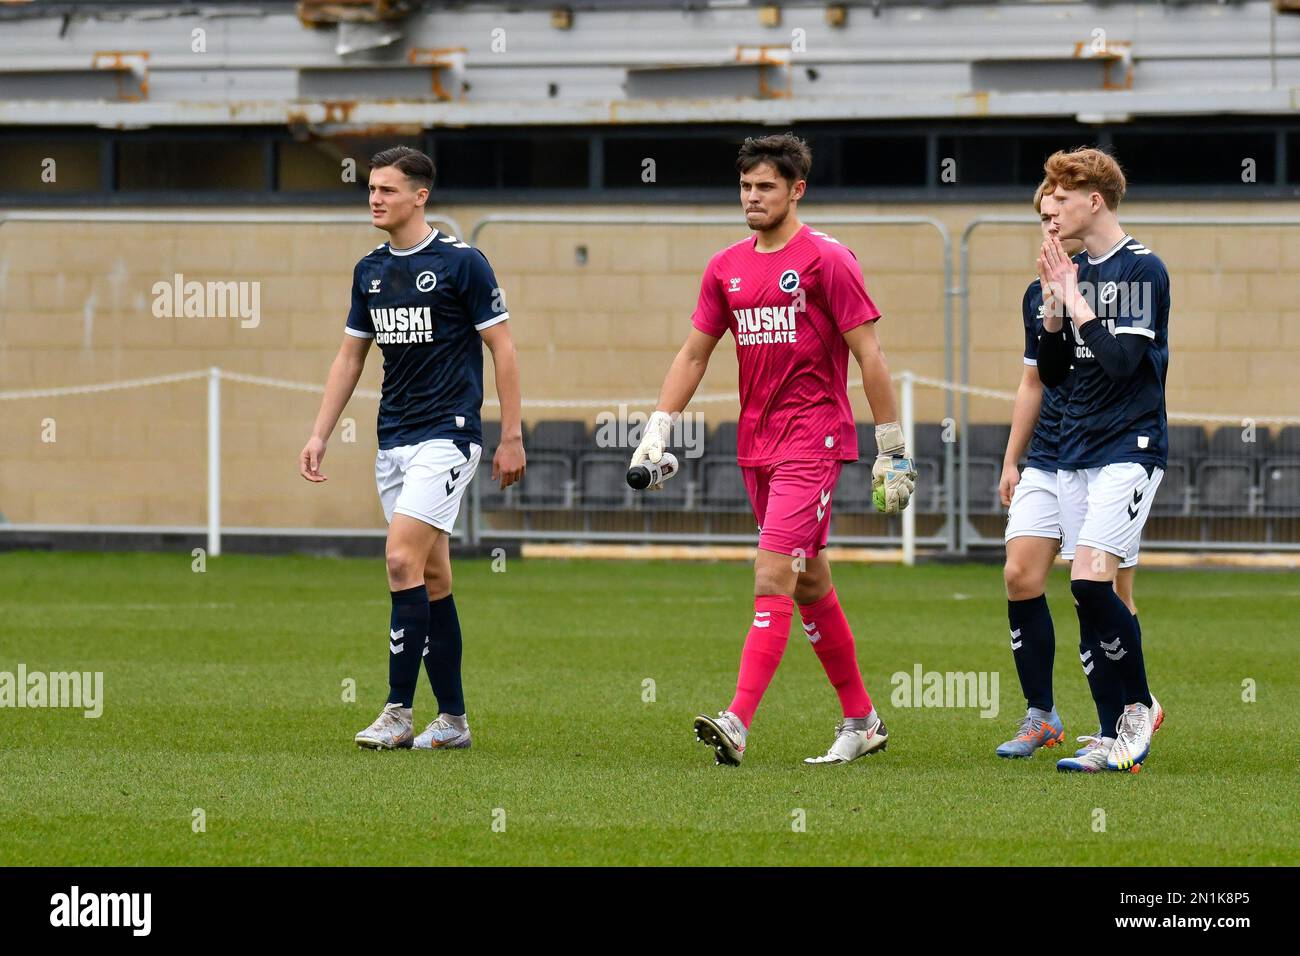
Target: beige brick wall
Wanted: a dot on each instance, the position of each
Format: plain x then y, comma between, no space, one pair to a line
75,308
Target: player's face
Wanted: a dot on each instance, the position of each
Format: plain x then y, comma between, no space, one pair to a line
766,197
394,199
1047,209
1072,212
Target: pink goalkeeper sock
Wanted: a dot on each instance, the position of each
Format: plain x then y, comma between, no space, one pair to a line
827,629
762,654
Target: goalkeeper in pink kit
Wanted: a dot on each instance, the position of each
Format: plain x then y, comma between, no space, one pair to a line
794,300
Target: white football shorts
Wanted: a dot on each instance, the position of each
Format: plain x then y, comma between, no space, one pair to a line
1106,508
1035,510
425,481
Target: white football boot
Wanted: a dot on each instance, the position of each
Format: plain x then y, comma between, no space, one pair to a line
725,734
1133,737
391,730
1157,721
854,737
1091,757
444,734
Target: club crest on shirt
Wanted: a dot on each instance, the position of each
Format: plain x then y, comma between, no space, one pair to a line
789,281
425,281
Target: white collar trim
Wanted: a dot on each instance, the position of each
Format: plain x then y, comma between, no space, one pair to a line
415,248
1113,249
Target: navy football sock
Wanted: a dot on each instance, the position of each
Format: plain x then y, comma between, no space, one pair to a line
408,631
1107,691
1144,689
1117,635
442,656
1033,644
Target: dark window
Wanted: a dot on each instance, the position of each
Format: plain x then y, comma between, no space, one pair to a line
883,161
49,167
678,162
977,160
468,163
190,165
1194,159
511,162
544,163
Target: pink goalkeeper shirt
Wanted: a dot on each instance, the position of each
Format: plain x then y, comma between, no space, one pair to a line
788,311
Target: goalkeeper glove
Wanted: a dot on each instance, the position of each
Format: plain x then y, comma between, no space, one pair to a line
893,476
654,438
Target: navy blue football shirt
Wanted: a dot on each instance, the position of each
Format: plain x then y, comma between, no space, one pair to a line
1047,432
1108,421
425,307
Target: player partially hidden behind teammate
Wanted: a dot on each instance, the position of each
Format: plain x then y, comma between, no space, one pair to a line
795,302
1113,438
1033,534
430,301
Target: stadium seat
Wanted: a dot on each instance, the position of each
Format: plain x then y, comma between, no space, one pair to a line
1174,494
561,436
929,455
1279,481
929,479
602,481
853,490
1225,485
929,441
721,442
1226,442
1286,444
987,441
676,494
548,482
1187,443
492,438
983,488
724,488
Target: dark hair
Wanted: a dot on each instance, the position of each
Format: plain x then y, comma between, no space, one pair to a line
787,152
416,166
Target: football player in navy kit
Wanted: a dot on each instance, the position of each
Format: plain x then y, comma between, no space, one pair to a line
430,302
1109,318
1033,532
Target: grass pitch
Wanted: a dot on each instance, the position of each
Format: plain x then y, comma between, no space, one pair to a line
224,692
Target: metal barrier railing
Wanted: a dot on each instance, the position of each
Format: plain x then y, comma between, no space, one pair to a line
1193,528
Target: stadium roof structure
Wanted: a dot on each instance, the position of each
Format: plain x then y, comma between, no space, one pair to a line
412,65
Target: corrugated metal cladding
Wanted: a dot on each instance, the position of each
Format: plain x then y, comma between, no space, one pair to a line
216,64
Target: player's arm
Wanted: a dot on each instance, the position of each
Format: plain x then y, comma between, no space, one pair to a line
893,476
683,378
708,323
345,372
508,463
1024,416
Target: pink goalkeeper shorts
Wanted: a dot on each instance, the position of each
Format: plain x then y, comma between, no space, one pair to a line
792,504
